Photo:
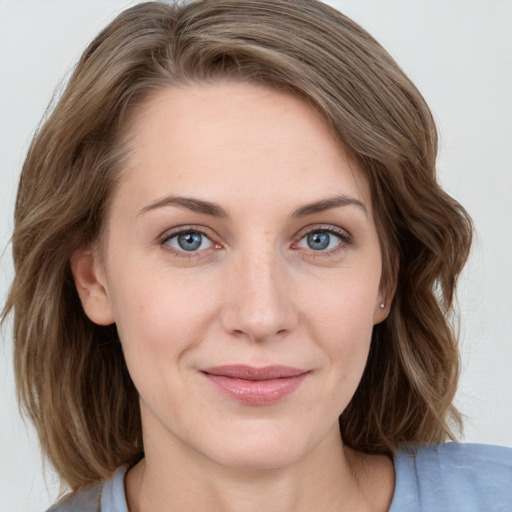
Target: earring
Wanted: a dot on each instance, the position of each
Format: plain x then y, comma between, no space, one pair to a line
382,306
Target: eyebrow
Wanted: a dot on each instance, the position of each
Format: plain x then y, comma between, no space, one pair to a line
195,205
328,204
215,210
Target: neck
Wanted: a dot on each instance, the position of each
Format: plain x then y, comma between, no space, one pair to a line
330,478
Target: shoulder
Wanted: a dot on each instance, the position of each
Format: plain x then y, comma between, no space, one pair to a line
459,455
469,477
104,496
85,500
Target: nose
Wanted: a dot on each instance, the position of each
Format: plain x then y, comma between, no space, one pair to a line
258,293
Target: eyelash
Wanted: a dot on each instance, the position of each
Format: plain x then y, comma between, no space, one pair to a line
345,240
166,237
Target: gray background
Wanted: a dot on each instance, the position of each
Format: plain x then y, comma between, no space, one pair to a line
458,52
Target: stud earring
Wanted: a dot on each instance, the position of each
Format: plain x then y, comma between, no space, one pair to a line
382,306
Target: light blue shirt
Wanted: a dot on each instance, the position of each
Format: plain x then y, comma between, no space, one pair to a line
451,477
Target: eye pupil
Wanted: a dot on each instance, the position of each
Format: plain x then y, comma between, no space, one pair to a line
318,241
190,241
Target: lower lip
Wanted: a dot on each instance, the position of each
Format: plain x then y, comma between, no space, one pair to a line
256,392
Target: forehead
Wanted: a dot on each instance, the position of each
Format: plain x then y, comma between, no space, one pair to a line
237,136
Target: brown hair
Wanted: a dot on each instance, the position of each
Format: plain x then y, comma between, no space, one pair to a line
71,376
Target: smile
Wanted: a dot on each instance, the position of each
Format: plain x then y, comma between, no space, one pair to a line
256,386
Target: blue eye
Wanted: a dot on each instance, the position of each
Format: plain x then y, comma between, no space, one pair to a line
320,240
189,241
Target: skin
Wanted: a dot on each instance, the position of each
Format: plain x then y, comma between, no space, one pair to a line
255,292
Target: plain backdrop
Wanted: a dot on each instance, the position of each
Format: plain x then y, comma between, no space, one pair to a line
459,54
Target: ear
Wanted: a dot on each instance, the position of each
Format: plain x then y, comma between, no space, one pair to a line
91,285
381,309
385,296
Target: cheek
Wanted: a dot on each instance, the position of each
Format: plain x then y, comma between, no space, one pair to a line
160,323
345,302
341,320
159,314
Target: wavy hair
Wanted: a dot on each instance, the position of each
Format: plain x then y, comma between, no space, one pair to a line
71,376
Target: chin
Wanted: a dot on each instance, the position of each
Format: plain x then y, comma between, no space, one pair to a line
257,457
259,447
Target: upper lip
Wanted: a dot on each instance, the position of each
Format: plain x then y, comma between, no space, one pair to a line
252,373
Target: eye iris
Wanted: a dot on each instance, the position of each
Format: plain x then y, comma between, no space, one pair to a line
190,241
318,241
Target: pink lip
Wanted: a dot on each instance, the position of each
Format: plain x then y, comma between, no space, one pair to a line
256,386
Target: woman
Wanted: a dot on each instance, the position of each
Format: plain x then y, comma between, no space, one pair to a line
234,268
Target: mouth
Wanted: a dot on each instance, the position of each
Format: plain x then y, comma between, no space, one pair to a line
255,386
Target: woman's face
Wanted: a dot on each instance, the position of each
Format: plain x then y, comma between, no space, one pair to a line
242,267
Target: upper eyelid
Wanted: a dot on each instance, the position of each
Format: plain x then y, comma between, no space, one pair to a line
344,235
329,228
170,233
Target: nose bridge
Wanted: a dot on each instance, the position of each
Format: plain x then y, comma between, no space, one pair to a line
258,305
